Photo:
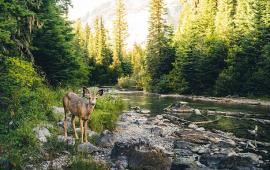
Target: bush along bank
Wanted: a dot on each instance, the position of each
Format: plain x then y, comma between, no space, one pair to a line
30,136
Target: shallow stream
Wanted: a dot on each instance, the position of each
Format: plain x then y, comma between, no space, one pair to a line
238,125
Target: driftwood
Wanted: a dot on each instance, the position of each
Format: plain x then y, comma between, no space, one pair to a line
263,121
242,140
206,122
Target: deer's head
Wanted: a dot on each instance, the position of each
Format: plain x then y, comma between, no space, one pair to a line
92,95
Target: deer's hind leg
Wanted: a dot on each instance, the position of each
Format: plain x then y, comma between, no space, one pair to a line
65,123
74,127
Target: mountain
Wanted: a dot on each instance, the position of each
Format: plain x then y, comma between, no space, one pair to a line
137,16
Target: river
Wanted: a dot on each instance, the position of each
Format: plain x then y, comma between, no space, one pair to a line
238,125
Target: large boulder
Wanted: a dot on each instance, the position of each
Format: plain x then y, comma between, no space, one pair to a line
148,159
140,155
236,161
87,148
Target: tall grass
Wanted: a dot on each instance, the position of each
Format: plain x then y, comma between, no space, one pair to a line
80,163
106,113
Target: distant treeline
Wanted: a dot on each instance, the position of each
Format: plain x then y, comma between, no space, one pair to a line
221,47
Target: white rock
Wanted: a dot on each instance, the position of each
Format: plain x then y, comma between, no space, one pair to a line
87,148
200,129
42,133
159,117
193,126
145,111
197,112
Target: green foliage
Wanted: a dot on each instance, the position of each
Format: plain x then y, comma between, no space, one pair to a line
127,82
79,162
54,51
221,48
159,53
120,33
106,113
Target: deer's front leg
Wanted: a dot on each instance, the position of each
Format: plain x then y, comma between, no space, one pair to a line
82,129
86,130
73,125
65,125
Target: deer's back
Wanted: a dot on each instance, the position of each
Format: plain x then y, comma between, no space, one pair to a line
75,104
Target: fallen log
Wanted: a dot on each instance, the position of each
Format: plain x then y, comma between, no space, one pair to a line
206,122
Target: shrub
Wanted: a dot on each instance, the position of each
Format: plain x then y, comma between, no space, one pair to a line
81,163
106,113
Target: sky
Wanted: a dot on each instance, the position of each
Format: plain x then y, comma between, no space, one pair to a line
137,15
81,7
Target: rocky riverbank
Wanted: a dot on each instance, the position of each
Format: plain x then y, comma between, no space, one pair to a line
141,141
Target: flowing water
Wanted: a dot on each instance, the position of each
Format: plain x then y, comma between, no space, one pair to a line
238,125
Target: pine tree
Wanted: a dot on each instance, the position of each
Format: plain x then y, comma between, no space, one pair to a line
119,33
54,50
86,36
224,23
159,52
103,51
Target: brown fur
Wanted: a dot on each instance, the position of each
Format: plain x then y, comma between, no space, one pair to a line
77,106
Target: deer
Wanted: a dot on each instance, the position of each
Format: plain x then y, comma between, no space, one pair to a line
77,106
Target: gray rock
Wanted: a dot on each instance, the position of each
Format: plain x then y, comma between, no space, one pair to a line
106,139
125,147
193,126
87,148
145,158
157,131
70,140
159,117
145,111
42,133
140,121
92,133
200,129
122,163
252,156
223,161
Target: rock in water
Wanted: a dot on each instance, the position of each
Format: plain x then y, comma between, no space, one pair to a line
42,133
197,112
145,111
87,148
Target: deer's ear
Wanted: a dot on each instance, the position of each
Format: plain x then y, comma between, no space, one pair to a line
100,92
85,90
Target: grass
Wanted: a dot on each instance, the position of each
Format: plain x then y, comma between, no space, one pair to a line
18,142
81,163
106,113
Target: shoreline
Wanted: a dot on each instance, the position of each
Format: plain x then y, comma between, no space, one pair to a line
218,100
